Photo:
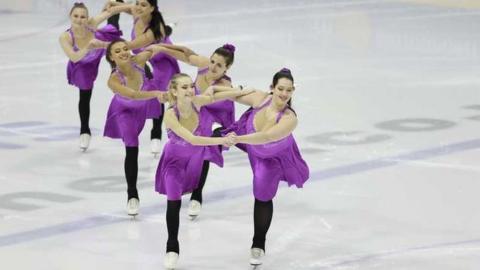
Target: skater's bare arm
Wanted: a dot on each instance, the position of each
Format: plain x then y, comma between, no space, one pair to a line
142,58
248,96
67,46
225,92
186,55
158,48
187,51
189,56
95,21
109,9
178,52
282,129
172,123
218,93
117,87
199,61
142,40
118,7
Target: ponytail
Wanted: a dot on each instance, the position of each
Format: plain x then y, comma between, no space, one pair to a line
157,22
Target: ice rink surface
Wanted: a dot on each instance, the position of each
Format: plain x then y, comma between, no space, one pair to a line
387,96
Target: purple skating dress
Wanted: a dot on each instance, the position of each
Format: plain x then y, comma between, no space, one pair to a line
126,117
180,166
83,73
223,112
164,67
271,162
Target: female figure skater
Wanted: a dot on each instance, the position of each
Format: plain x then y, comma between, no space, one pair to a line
211,71
83,45
149,28
129,108
266,129
189,144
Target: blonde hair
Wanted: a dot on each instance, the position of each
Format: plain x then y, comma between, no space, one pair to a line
172,99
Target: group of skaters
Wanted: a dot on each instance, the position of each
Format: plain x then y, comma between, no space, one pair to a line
189,109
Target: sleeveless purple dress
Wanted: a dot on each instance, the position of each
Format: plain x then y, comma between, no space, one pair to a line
180,166
223,112
83,73
271,162
126,117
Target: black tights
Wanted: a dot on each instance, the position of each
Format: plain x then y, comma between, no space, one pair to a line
84,110
173,223
197,193
262,218
156,132
131,170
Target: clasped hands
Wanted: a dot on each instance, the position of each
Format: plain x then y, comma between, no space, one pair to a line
230,139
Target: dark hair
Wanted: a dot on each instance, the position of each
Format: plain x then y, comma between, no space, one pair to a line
227,51
283,73
108,54
157,22
78,5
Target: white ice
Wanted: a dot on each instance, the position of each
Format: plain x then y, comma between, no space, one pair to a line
389,121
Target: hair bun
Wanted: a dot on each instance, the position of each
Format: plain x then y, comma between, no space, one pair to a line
229,47
286,70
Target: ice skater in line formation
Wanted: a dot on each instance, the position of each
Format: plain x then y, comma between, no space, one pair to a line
189,145
149,28
129,108
210,71
84,45
265,133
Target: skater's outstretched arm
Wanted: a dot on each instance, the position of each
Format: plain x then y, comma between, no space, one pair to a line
182,53
280,130
145,39
117,87
211,95
118,7
222,92
106,13
141,40
172,123
142,58
175,53
250,97
67,46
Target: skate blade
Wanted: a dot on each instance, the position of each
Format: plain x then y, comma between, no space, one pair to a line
256,264
133,216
